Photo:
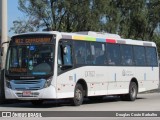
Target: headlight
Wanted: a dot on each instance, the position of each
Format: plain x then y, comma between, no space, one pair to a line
48,82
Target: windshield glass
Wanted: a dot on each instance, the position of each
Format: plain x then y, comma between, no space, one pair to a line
30,60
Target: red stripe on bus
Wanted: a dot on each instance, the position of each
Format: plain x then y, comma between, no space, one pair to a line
110,41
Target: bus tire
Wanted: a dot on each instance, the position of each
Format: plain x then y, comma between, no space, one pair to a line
132,95
37,102
133,90
78,95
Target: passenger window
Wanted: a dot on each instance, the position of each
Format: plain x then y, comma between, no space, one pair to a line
80,52
113,54
59,55
151,56
98,53
89,56
127,55
89,53
67,58
139,55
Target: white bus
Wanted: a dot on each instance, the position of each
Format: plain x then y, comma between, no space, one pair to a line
57,65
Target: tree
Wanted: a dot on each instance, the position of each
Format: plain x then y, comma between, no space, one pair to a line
62,15
125,18
153,18
22,26
136,19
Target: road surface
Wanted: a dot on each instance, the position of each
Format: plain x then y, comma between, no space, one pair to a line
144,102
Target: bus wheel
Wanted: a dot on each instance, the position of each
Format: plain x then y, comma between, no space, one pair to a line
37,102
78,95
133,90
132,95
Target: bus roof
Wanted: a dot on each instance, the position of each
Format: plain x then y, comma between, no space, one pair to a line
94,36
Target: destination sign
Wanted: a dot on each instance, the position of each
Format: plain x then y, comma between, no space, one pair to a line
31,40
18,70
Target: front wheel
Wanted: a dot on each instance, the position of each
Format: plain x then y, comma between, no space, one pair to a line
78,95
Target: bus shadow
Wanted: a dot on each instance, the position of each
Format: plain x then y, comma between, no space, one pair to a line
109,99
63,103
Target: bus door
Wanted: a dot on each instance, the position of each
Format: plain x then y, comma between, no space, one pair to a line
65,65
64,56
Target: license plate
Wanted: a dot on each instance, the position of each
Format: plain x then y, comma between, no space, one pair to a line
26,93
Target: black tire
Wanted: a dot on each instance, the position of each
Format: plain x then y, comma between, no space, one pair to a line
133,90
132,95
78,95
37,102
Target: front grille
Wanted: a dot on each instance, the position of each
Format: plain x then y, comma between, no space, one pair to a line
27,81
21,85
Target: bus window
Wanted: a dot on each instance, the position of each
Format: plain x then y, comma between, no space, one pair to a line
114,54
80,50
64,60
89,56
67,59
139,55
127,55
99,53
151,56
59,55
30,60
14,58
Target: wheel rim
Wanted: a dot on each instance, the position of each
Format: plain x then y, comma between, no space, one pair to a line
133,92
78,95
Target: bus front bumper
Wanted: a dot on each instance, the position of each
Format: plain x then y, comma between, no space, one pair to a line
45,93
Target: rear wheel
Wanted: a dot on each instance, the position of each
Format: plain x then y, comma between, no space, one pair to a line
132,95
78,95
133,90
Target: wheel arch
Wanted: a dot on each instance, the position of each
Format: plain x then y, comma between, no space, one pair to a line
84,85
136,81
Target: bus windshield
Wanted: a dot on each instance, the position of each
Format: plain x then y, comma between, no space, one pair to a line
30,60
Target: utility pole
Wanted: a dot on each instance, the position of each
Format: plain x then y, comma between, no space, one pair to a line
4,38
4,31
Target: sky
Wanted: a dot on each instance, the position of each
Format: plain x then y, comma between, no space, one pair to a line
13,14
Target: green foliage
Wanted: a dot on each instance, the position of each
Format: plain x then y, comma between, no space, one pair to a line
22,26
156,39
136,19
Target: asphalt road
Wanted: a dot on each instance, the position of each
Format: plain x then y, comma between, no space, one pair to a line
144,102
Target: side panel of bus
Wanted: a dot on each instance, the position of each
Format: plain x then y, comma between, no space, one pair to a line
106,79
